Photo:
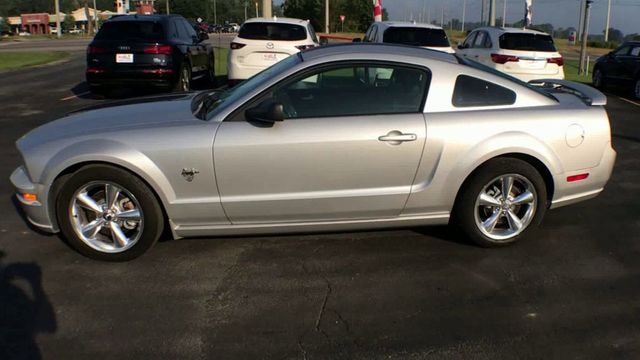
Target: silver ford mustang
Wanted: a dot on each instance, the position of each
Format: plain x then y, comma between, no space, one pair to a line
336,138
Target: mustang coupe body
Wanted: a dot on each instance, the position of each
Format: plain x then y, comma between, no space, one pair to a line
335,138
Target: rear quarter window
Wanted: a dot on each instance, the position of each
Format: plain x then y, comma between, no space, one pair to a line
132,31
527,42
473,92
272,31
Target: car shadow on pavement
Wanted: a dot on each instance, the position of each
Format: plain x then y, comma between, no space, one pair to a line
25,310
81,90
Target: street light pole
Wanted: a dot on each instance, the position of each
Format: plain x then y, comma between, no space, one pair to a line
58,29
326,16
606,29
464,12
585,36
266,9
168,7
492,12
504,13
580,19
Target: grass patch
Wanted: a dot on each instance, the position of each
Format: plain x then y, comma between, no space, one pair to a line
16,60
571,68
221,61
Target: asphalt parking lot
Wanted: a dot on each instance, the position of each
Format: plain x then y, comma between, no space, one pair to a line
570,291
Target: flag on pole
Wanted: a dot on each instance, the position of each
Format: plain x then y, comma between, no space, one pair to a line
377,10
528,12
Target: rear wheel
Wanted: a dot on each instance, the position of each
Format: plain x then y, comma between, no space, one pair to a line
184,78
108,214
501,202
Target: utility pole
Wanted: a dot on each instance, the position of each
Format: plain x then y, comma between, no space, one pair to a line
58,29
504,13
606,29
482,13
326,16
492,12
257,15
585,36
580,24
168,7
442,17
266,9
215,12
464,12
95,17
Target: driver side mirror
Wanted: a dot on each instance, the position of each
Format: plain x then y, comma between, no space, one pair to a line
267,112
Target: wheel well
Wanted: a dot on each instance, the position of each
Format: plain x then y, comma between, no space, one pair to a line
61,177
537,164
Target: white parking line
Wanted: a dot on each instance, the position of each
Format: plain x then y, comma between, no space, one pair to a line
629,101
75,96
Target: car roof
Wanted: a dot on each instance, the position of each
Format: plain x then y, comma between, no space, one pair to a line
413,24
374,49
502,30
275,19
139,17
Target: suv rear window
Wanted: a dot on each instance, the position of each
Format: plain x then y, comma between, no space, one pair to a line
416,36
527,42
133,31
272,31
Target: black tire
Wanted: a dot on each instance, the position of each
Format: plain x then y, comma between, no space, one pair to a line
598,79
149,227
184,78
469,212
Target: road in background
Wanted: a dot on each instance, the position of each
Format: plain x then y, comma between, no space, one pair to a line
569,291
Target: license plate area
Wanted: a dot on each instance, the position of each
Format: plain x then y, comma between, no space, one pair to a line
124,58
269,57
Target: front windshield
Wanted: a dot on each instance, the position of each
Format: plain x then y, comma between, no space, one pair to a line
230,96
479,66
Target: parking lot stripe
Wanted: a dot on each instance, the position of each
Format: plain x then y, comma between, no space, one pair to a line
75,96
629,101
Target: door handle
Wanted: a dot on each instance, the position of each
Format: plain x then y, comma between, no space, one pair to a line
396,137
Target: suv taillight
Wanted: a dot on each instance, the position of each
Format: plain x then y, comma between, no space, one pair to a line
501,59
158,49
305,47
236,46
95,50
556,60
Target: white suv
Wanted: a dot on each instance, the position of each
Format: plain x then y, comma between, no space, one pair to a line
522,53
409,33
263,42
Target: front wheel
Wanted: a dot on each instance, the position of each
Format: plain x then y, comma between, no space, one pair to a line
184,78
107,213
598,79
501,202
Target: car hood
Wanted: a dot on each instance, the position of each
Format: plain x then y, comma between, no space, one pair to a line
114,116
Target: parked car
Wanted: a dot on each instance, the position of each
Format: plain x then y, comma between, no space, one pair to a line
619,67
152,50
522,53
263,42
319,142
409,33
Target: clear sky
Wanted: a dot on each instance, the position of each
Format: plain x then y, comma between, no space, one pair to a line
625,14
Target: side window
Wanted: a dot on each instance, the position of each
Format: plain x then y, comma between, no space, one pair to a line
623,51
374,34
635,51
312,33
487,41
479,43
352,90
468,42
367,35
472,92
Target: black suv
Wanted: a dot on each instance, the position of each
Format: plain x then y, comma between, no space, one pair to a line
620,67
159,50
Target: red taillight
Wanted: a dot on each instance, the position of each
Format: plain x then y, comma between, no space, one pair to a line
556,60
236,46
158,49
578,177
94,71
95,50
304,47
158,71
501,59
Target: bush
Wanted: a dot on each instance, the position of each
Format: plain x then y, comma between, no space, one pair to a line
602,44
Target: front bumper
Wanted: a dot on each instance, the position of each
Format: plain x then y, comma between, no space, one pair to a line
36,211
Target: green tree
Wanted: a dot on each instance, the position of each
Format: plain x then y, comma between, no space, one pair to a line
615,35
69,22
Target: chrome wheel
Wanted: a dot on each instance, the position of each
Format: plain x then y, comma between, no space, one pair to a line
505,207
184,79
106,217
597,79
